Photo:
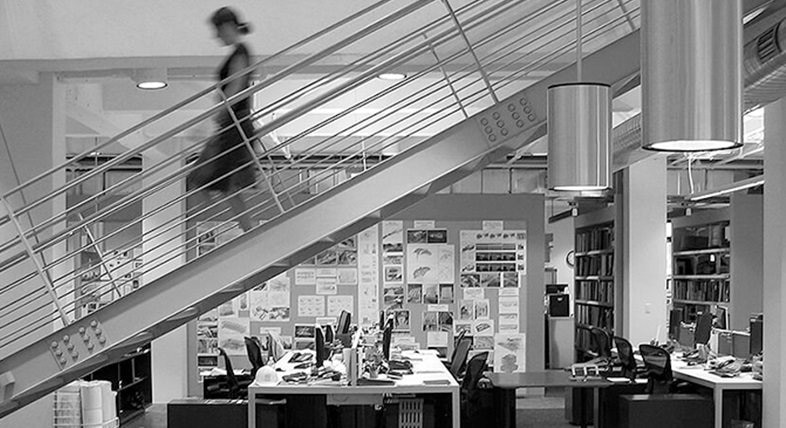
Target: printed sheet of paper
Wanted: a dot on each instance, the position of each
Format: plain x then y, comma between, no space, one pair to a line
327,285
508,323
230,335
368,276
311,306
305,276
347,276
422,263
446,263
508,305
510,352
474,293
335,304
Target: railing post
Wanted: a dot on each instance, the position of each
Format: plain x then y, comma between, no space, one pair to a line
445,74
250,149
30,253
471,51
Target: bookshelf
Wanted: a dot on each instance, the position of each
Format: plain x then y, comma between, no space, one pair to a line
701,264
131,379
594,277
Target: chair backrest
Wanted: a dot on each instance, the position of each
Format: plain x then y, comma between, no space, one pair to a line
254,352
625,353
460,356
475,368
232,383
657,361
601,342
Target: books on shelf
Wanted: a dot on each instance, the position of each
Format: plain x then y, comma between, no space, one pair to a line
596,316
595,265
599,291
705,290
595,239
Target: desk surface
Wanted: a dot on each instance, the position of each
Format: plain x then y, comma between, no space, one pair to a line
699,375
429,375
543,379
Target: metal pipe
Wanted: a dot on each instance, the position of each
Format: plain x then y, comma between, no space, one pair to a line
471,51
31,254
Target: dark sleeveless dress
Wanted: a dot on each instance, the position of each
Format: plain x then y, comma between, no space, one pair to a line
230,141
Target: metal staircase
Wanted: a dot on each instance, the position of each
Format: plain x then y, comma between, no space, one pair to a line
474,91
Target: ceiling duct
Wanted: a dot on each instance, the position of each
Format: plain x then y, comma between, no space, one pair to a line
764,76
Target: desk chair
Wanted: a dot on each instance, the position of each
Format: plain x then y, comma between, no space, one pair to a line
477,404
228,389
254,352
459,357
628,362
657,362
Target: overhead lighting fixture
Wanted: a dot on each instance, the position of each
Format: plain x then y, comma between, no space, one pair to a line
691,75
150,78
392,76
579,131
730,188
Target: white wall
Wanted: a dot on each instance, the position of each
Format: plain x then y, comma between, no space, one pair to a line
564,242
32,119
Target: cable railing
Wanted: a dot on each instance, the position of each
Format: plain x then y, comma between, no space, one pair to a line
456,60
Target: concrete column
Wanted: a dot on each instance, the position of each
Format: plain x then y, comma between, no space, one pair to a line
33,123
774,253
641,234
169,352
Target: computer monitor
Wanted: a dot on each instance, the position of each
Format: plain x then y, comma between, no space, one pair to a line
320,345
275,345
329,336
381,320
675,318
386,337
721,317
344,320
757,331
740,344
703,329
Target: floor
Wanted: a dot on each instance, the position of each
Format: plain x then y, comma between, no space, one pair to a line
531,412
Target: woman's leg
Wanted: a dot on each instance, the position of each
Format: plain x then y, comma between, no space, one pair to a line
238,206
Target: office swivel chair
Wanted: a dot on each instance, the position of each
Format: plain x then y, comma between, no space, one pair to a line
657,362
227,389
627,361
601,345
477,404
459,357
254,352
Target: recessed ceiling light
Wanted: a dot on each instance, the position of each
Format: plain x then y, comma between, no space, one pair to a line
151,78
392,76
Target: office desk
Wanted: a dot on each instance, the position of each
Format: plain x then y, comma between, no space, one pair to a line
429,377
696,374
505,385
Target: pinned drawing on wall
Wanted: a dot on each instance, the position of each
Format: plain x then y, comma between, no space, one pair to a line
230,335
414,293
327,285
470,280
347,276
347,252
305,276
311,306
392,237
422,263
430,293
509,352
482,310
368,276
483,328
466,310
446,293
401,320
336,304
493,251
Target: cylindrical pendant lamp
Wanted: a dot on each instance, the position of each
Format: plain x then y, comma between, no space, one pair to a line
691,74
579,136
